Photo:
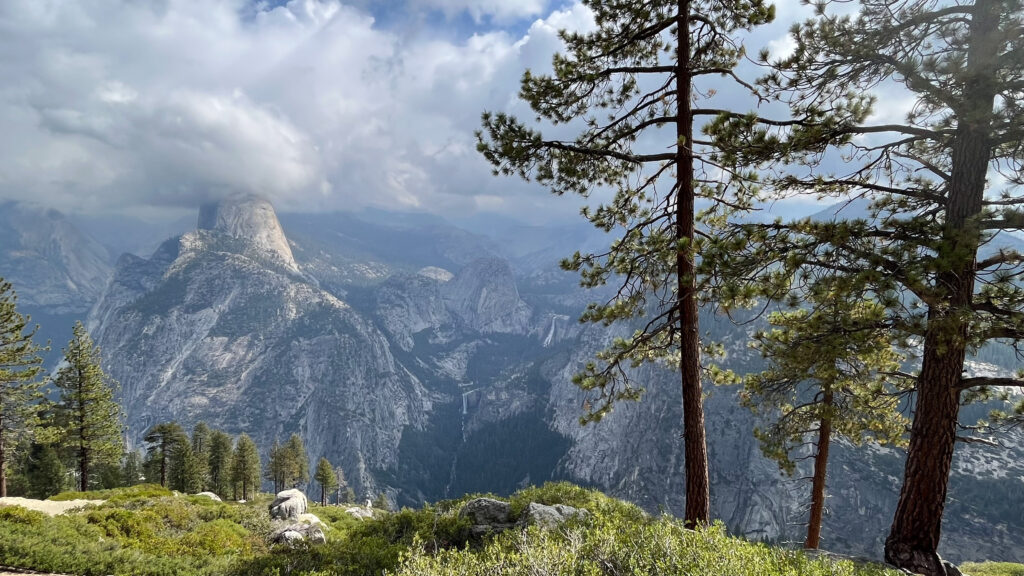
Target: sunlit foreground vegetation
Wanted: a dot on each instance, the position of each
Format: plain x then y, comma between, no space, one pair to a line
147,530
993,569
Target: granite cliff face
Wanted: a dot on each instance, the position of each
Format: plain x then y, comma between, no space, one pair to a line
252,220
219,325
422,363
52,265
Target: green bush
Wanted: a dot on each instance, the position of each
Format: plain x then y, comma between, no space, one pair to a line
138,536
993,569
627,548
19,515
220,536
116,494
572,495
364,547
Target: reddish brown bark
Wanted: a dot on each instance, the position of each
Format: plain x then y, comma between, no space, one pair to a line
818,483
3,466
695,446
913,541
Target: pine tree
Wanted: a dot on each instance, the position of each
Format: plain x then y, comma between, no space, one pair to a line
185,467
830,364
89,416
220,463
245,467
201,437
631,86
277,466
162,441
132,470
45,471
381,503
326,478
297,462
922,250
110,475
20,368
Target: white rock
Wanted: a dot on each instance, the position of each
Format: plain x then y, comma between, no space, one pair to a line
289,505
358,512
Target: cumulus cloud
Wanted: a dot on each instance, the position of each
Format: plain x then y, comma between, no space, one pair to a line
311,103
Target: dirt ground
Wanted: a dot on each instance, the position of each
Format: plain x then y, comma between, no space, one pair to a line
46,506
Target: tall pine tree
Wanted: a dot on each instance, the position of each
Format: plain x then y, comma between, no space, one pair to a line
89,417
298,461
941,184
201,438
245,468
830,367
20,382
219,463
630,87
327,479
162,442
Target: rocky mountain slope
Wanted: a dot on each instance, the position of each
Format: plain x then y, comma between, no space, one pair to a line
427,365
220,325
52,264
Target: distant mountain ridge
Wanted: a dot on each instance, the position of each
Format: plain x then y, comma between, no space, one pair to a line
39,248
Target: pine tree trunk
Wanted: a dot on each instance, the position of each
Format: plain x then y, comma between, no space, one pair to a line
695,447
818,483
83,450
84,468
914,539
3,464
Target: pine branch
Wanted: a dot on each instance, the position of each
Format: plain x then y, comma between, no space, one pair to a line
633,158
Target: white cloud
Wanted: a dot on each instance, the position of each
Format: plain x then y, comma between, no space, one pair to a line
782,47
311,103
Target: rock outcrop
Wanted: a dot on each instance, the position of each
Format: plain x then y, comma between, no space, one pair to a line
488,516
288,505
550,517
252,219
485,297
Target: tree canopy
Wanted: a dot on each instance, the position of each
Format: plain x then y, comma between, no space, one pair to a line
20,381
89,416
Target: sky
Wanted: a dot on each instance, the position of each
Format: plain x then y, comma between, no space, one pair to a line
318,105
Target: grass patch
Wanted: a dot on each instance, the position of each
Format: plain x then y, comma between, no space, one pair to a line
992,569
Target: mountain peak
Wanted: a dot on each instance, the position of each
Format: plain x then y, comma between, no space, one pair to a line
251,218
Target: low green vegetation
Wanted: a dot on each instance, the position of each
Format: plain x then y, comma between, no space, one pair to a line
146,530
993,569
115,494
